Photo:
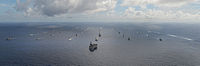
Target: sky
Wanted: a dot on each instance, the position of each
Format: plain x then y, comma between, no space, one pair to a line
99,10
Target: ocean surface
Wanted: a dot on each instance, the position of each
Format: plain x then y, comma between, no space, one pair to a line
67,44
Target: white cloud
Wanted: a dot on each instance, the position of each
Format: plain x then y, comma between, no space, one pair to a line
141,3
58,7
132,12
154,14
3,5
22,6
158,3
162,10
174,3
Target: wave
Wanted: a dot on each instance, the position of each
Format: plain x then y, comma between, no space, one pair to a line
180,37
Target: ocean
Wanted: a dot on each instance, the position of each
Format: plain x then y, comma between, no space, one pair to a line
67,44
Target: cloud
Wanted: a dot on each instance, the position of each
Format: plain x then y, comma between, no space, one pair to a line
140,3
162,10
158,3
157,14
58,7
108,10
22,6
174,3
3,5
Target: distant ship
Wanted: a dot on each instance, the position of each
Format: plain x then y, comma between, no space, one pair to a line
92,47
160,39
99,34
9,38
129,38
96,39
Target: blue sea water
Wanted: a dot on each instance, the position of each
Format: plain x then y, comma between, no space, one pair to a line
56,44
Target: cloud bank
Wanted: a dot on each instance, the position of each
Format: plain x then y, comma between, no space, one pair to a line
157,3
57,7
110,10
